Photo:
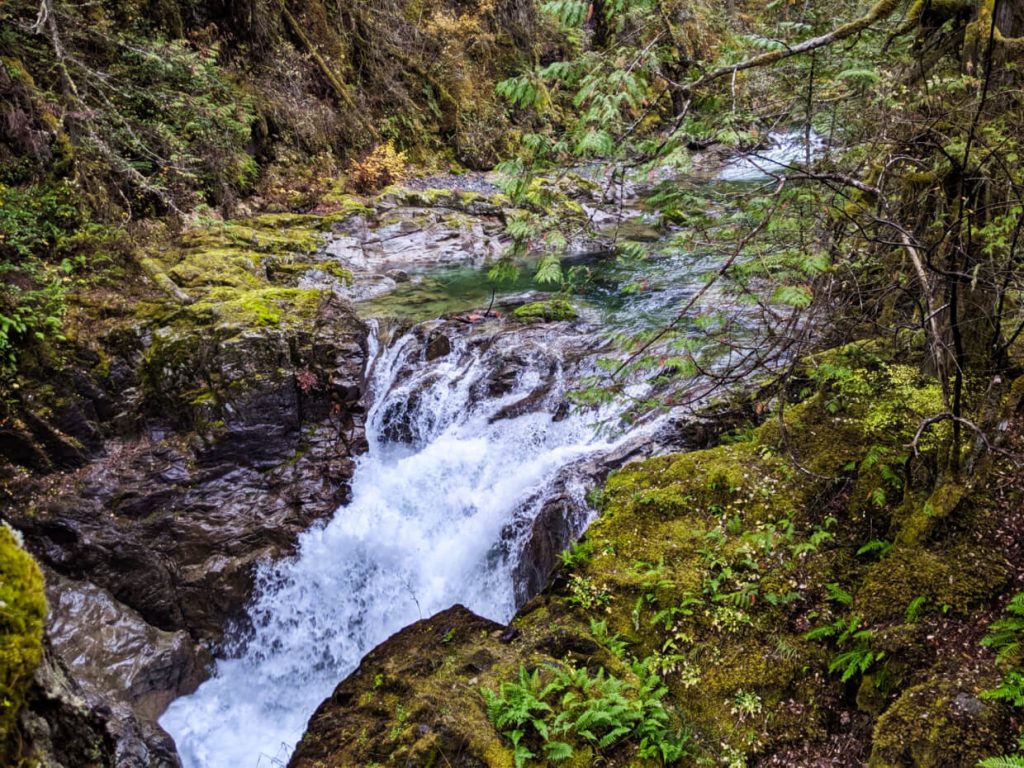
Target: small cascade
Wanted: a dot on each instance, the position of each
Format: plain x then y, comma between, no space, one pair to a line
463,448
785,152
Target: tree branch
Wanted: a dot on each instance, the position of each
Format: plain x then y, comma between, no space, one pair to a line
881,10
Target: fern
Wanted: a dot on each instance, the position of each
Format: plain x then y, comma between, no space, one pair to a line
915,609
837,594
599,709
877,547
1006,635
1010,690
549,270
557,750
1006,761
615,644
568,13
855,661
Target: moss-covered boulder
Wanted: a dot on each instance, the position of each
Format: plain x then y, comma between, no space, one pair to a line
22,614
941,722
548,311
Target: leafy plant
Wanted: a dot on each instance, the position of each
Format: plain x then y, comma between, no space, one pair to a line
577,555
878,547
598,709
1005,636
382,166
915,609
856,655
37,224
584,593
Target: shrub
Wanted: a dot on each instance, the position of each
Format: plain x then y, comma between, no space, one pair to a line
383,166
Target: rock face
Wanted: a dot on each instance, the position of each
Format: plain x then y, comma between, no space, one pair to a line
249,439
109,648
184,445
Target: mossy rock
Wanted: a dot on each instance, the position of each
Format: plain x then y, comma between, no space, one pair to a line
22,615
548,311
953,581
939,724
782,513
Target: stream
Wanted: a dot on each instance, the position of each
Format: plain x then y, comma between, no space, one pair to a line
430,524
462,448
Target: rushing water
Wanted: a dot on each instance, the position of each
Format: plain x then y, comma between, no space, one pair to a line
440,505
428,526
784,152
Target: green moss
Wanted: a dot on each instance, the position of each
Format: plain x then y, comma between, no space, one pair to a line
292,270
218,267
551,310
953,581
936,724
270,233
22,614
260,308
711,565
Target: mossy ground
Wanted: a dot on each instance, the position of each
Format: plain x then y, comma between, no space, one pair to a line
715,565
22,613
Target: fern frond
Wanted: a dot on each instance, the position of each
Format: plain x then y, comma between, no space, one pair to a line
1006,761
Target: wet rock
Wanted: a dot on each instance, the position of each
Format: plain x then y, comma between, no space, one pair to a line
398,275
438,345
63,730
418,235
249,437
66,726
121,658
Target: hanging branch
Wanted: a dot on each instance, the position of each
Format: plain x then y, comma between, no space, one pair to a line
881,10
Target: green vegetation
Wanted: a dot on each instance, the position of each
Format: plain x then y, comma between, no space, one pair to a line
22,613
548,311
587,713
750,576
1006,638
796,586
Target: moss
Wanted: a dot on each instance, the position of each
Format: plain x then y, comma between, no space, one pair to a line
939,723
341,206
260,308
916,520
268,233
218,267
680,538
551,310
954,582
22,614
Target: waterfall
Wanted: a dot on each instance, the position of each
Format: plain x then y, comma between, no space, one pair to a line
461,447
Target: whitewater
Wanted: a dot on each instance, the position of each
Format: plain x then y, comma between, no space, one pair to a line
431,523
